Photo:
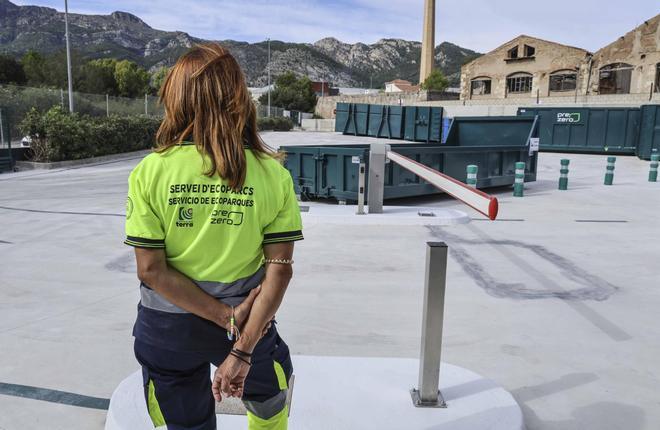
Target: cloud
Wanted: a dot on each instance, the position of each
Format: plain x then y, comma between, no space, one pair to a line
481,25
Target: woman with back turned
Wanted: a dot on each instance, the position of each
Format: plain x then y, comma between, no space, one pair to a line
212,215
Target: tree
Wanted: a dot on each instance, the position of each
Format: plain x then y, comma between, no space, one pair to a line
34,65
436,81
157,79
132,80
11,71
292,93
98,77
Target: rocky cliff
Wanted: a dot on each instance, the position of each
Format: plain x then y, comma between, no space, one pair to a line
125,36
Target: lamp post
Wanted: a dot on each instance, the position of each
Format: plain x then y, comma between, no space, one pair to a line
268,67
68,54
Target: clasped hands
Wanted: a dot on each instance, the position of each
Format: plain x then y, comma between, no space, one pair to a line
229,377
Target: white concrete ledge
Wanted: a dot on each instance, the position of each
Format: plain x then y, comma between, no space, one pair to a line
341,393
33,165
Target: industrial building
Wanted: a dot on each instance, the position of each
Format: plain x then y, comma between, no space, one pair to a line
532,67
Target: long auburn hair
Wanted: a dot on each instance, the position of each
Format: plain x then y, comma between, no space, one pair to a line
207,100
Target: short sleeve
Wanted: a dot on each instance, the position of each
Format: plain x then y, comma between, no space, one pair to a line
143,227
287,225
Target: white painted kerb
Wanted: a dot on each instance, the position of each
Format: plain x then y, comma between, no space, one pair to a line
339,393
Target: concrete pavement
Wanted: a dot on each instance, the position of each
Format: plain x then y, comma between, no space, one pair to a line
557,302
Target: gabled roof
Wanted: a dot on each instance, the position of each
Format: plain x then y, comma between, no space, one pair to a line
655,21
532,38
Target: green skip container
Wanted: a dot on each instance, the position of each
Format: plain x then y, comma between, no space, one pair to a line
649,132
606,130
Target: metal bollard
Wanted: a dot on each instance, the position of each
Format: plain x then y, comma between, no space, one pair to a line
609,172
377,160
360,210
472,171
563,174
653,172
519,184
428,395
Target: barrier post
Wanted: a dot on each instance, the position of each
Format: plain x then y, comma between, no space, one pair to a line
361,178
377,158
609,172
472,171
428,394
519,184
563,174
653,172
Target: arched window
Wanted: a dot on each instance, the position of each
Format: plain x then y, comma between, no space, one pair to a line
480,86
520,82
563,80
615,78
657,78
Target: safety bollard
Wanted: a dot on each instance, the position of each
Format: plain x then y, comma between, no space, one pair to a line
472,171
563,174
653,173
427,395
609,173
519,184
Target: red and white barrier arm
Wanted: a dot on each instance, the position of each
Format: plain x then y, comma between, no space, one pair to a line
477,200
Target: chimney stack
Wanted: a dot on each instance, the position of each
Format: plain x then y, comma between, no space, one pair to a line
428,41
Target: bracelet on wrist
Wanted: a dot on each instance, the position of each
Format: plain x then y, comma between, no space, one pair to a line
240,358
233,332
241,353
277,261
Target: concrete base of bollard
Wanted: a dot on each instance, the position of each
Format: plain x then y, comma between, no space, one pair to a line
367,393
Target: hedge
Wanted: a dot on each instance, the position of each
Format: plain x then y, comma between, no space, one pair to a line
276,123
59,136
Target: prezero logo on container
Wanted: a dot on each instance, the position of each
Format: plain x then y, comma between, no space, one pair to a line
569,117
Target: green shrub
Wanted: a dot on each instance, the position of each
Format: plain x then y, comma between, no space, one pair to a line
58,135
275,123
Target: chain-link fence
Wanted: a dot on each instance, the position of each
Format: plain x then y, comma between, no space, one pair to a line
19,100
262,111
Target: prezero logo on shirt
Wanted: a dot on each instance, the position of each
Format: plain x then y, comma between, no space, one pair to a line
185,217
220,216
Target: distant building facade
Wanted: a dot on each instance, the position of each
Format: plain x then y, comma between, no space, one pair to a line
522,67
531,67
400,86
324,89
631,64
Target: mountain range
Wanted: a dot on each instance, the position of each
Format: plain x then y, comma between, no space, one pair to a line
122,35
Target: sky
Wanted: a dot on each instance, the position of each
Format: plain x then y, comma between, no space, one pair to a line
481,25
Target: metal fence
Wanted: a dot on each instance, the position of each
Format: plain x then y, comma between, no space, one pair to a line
262,111
19,100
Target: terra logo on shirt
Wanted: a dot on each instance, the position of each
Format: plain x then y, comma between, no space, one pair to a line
185,217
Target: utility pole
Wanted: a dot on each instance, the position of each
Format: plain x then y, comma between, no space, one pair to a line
68,54
268,77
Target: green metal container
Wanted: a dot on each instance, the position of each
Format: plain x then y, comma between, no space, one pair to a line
423,124
332,171
6,158
491,131
649,133
606,130
352,118
386,121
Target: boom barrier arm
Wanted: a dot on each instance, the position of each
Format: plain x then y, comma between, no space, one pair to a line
477,200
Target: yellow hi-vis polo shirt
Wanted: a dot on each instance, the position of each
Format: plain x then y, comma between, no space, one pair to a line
209,231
